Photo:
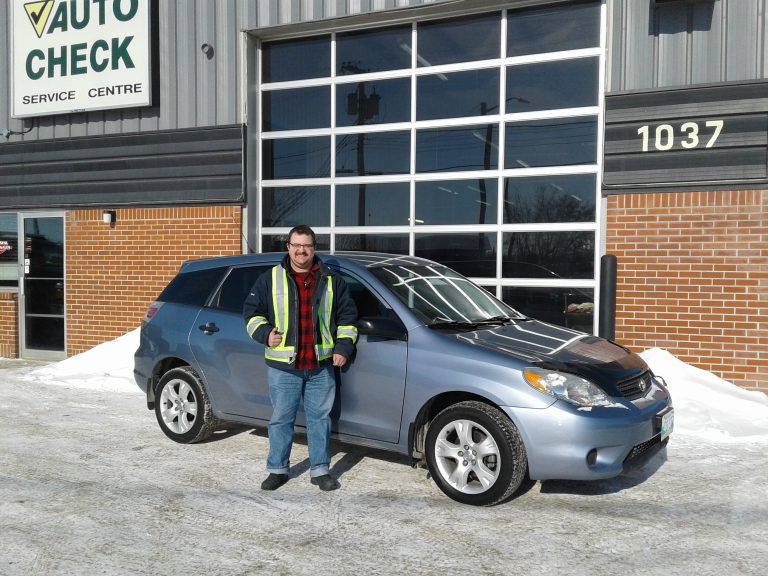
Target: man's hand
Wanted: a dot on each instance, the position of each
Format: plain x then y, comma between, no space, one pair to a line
274,338
339,360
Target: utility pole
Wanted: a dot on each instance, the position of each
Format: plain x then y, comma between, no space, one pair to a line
365,107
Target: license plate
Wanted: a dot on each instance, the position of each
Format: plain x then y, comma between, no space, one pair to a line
667,420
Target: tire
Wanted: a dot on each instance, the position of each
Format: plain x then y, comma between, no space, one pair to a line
183,408
475,454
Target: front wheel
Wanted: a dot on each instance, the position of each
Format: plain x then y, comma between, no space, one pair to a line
182,408
475,454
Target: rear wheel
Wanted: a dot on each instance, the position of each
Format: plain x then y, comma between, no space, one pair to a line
182,408
475,454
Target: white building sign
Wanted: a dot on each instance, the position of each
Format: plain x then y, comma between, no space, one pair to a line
79,55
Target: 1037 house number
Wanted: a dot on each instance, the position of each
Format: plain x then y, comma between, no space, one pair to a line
689,135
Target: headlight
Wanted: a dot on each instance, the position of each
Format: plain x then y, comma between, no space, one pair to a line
568,387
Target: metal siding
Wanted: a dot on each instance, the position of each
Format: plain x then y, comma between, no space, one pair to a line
685,43
168,84
180,166
742,40
672,22
764,52
186,56
205,69
614,56
226,80
707,44
638,47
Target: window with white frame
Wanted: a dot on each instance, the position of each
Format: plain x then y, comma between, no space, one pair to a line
471,140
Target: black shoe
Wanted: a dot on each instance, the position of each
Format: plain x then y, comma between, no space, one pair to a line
326,482
274,481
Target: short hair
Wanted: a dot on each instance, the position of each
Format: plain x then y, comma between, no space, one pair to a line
304,230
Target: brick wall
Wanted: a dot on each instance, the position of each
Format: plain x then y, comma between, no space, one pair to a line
115,272
9,335
693,278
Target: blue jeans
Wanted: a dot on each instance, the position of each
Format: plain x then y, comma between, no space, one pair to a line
318,387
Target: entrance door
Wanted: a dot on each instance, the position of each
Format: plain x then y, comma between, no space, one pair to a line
41,285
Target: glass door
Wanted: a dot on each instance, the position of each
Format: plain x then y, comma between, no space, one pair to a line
41,285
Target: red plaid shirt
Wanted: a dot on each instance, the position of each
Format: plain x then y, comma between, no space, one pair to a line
305,283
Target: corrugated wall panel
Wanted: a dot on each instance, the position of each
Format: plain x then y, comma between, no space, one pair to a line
672,25
742,40
677,44
637,47
228,96
707,44
184,166
186,56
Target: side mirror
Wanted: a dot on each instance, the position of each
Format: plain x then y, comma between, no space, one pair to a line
388,328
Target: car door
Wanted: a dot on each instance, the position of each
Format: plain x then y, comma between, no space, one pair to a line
369,402
232,363
371,388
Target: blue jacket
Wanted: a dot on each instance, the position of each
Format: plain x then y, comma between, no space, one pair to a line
336,336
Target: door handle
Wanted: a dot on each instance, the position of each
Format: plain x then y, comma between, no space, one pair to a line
209,328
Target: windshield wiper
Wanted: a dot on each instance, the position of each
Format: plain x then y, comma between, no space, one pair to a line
497,320
453,324
471,325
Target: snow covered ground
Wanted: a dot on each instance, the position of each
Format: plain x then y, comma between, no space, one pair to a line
90,485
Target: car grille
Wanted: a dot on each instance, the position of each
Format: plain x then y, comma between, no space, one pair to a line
639,453
636,387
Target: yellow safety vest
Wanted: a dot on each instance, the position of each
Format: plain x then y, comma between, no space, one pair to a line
285,352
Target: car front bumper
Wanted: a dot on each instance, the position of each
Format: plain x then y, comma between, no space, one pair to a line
569,443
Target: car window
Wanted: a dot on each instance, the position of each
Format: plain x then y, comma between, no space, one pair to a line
192,288
368,304
236,287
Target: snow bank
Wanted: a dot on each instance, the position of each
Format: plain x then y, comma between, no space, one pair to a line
704,404
708,406
108,366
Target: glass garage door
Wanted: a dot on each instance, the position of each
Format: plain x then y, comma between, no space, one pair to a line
471,140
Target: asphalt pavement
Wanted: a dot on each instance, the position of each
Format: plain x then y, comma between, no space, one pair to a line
90,485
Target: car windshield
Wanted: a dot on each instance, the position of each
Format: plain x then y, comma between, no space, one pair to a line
440,296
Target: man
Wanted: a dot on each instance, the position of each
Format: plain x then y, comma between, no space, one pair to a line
302,312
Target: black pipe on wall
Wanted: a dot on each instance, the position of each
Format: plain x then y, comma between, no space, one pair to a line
607,323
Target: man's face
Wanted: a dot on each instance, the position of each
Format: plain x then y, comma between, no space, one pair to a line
301,251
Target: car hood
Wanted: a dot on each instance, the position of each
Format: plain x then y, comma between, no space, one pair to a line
601,361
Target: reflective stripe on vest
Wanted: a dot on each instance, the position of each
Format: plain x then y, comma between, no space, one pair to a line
347,332
254,323
324,349
281,352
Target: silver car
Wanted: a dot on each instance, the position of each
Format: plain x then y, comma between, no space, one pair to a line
443,372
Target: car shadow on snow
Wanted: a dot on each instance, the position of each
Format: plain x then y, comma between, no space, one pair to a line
351,455
625,481
226,431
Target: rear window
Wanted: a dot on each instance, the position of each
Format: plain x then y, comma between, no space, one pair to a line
192,288
237,286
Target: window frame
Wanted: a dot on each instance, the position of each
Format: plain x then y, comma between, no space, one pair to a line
501,118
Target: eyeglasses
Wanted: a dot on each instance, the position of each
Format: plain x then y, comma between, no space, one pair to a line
297,246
